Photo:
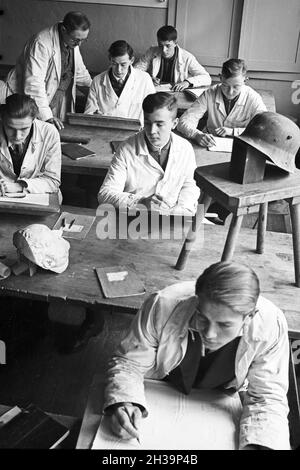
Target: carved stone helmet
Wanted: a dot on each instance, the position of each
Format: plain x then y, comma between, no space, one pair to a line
43,246
275,135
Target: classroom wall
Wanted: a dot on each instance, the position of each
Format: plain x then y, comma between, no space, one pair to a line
22,18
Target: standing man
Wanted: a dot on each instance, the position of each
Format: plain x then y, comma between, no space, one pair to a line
120,90
168,63
50,67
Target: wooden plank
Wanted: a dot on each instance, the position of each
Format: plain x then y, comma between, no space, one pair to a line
32,209
154,261
108,122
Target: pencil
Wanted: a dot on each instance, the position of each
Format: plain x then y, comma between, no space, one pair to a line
71,223
131,421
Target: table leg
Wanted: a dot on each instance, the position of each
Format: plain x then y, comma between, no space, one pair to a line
295,220
204,200
261,227
232,235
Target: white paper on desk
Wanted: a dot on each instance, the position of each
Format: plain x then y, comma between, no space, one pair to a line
39,199
223,144
202,420
163,87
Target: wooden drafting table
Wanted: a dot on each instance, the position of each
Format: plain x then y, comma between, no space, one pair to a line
171,422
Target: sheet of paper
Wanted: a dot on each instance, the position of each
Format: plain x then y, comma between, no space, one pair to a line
223,144
201,420
40,199
163,87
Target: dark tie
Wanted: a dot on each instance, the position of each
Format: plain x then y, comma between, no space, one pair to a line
183,376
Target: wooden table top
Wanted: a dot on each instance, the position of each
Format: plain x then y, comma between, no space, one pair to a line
100,139
277,184
154,261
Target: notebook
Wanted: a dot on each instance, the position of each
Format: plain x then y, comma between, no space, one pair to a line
30,428
27,198
74,225
120,281
76,151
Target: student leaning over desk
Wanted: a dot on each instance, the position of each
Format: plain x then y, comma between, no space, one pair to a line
230,106
154,167
221,334
30,150
50,67
120,90
169,63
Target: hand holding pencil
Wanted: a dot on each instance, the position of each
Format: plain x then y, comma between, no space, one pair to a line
125,421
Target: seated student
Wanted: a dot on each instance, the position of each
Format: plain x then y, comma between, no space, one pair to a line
218,334
120,90
230,106
154,167
168,63
30,151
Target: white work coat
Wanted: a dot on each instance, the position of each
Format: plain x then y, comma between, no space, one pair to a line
186,68
247,106
157,343
103,99
38,71
41,167
135,174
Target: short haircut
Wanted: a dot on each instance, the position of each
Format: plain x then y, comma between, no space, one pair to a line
19,106
158,100
167,33
233,67
76,20
119,48
232,284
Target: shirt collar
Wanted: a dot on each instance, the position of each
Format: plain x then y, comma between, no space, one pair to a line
153,149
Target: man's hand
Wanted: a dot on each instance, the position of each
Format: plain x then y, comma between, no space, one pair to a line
146,201
155,80
181,86
56,122
205,140
224,131
11,187
125,421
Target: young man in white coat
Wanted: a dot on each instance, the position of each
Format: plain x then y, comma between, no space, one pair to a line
120,90
217,334
230,106
154,167
30,150
169,63
50,67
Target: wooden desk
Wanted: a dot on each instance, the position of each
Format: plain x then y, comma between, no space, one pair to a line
154,261
100,143
221,410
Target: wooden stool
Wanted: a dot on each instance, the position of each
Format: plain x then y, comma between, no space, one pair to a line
239,199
